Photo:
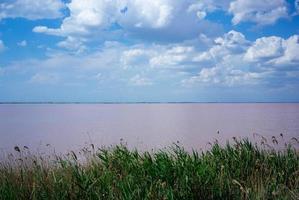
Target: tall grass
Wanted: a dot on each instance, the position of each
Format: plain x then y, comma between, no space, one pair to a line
241,170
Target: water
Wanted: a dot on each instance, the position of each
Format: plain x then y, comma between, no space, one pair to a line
144,126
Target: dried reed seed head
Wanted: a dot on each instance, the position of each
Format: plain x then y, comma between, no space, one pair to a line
17,149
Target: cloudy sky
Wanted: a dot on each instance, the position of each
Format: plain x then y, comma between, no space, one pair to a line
149,50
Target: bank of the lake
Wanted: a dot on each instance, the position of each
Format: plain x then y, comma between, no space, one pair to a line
240,170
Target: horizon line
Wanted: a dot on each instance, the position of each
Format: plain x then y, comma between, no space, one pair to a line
139,102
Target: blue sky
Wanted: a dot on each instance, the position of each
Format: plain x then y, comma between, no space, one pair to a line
144,50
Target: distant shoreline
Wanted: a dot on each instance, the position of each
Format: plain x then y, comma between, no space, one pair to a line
295,102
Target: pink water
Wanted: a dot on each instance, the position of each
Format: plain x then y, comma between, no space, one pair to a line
144,126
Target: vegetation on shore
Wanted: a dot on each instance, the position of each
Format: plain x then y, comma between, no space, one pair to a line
239,170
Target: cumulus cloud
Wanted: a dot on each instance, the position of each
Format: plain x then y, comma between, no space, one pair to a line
291,52
32,9
146,14
231,60
265,48
274,51
136,57
139,80
173,57
229,70
83,15
233,41
159,56
230,43
101,14
220,75
156,20
73,44
261,12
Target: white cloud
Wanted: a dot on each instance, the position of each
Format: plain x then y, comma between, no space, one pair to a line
291,52
233,40
265,48
274,51
231,60
230,43
175,56
22,43
262,12
220,75
224,63
201,14
135,57
157,20
107,58
146,13
44,78
158,56
88,14
172,57
139,80
32,9
73,44
83,16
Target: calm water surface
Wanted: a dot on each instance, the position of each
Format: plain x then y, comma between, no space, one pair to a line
144,126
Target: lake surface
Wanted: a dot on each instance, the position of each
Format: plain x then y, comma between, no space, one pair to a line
144,126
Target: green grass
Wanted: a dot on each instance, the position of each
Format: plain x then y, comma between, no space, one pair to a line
241,170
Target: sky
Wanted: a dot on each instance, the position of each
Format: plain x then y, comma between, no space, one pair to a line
149,51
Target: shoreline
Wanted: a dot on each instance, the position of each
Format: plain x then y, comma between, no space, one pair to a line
240,170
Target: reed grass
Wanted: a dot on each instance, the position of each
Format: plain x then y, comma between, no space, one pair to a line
238,170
